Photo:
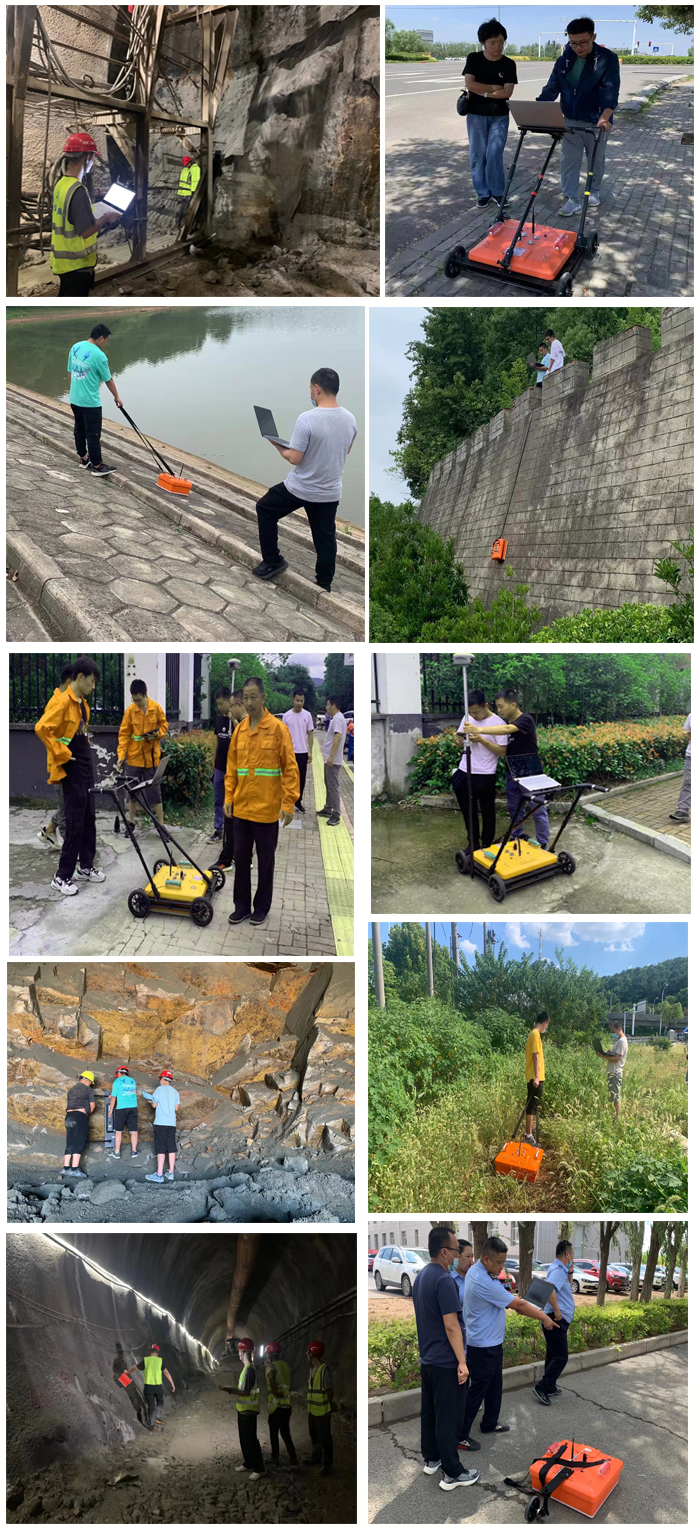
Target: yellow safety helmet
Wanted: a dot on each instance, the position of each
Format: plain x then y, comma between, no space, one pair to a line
91,1076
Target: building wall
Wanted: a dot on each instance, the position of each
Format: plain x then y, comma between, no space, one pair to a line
412,1232
397,724
590,479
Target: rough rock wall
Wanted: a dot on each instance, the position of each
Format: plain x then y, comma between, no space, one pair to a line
592,479
62,116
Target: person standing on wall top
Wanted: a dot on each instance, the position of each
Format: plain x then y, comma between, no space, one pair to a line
88,367
142,727
321,440
490,78
62,729
262,786
74,228
587,77
301,728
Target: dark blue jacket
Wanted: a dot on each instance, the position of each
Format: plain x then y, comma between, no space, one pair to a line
598,86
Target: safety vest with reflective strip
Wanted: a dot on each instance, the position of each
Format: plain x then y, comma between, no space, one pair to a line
247,1402
317,1397
284,1386
153,1371
262,775
189,180
70,251
62,711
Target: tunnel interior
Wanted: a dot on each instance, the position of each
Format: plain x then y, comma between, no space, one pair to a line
83,1309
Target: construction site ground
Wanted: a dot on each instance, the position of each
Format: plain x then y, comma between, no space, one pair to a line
161,566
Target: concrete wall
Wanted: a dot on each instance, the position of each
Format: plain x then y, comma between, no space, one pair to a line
28,773
593,477
397,723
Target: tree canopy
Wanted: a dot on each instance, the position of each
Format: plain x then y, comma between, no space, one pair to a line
673,18
568,688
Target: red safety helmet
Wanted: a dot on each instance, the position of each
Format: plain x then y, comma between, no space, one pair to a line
80,143
187,159
316,1347
156,1347
273,1349
165,1074
122,1069
246,1344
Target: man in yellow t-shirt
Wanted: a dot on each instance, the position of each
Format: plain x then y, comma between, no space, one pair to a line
534,1071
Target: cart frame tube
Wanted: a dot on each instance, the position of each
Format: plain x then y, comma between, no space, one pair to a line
505,262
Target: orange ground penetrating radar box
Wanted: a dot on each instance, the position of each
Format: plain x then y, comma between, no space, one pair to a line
173,484
586,1490
520,1159
543,257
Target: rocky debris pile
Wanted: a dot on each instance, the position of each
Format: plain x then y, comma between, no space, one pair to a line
293,1190
176,1493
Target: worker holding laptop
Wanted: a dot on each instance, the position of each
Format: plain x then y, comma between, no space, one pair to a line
74,225
321,440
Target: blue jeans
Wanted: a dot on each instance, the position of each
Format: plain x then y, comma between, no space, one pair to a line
219,778
515,795
487,140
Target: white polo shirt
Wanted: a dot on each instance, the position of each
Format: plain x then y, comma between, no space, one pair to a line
484,762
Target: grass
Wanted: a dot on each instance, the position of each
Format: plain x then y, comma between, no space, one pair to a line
443,1159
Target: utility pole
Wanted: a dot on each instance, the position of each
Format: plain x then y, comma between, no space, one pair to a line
485,939
378,966
429,956
540,942
455,948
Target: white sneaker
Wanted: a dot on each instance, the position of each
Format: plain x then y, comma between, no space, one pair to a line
92,875
169,1174
51,840
431,1467
255,1476
240,1468
570,207
68,889
465,1479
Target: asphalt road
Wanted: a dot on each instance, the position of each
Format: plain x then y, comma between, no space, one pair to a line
426,157
637,1409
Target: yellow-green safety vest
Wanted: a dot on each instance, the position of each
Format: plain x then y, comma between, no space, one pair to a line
247,1402
189,180
317,1397
153,1371
69,250
284,1386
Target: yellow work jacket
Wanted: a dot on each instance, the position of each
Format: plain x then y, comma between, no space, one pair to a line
56,728
262,775
70,251
133,746
190,176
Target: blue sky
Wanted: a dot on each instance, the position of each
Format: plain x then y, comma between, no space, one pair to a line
390,330
458,23
607,946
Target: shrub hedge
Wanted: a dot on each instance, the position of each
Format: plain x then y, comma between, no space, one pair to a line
190,764
626,624
394,1362
599,752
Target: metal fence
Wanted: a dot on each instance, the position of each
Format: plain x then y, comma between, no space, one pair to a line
440,684
34,677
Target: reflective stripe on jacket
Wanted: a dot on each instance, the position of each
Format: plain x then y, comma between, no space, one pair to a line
248,1402
190,176
262,775
133,746
283,1380
56,728
70,251
317,1397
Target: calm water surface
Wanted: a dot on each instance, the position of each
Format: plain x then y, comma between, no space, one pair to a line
190,376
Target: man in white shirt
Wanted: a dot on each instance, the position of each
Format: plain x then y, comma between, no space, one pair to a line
333,746
682,813
556,353
301,726
484,766
615,1062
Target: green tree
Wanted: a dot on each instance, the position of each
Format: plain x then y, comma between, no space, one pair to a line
291,677
414,578
338,680
405,950
673,18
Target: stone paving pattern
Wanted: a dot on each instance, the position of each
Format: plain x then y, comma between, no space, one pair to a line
645,220
650,806
156,579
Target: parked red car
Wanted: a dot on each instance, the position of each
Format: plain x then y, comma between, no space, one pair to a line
371,1256
589,1270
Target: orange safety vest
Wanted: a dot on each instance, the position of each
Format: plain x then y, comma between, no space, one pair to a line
262,775
133,746
56,728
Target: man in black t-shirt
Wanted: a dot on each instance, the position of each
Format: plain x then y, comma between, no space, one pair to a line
223,729
522,740
490,78
443,1367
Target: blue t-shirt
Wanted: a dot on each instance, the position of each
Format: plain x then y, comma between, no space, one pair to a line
434,1295
459,1283
166,1098
124,1091
88,367
558,1276
485,1302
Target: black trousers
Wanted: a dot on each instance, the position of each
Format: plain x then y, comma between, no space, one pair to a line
485,1386
250,1444
279,1422
440,1408
261,837
483,803
77,283
87,431
80,837
302,761
557,1344
321,1438
277,503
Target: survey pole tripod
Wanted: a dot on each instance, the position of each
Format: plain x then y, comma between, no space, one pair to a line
464,660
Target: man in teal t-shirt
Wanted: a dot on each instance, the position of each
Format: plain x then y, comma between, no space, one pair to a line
123,1107
88,368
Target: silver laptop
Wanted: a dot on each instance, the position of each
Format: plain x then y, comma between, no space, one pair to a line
542,115
268,429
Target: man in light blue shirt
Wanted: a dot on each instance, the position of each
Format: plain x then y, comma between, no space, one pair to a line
561,1305
484,1306
123,1108
166,1100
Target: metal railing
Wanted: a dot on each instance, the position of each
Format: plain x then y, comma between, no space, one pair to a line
34,677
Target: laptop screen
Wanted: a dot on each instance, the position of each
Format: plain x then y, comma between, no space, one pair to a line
118,196
265,420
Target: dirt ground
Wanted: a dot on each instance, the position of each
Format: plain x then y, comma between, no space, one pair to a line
392,1306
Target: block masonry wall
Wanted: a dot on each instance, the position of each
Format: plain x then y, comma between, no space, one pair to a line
589,479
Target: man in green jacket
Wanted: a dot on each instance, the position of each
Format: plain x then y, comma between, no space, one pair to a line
319,1400
279,1402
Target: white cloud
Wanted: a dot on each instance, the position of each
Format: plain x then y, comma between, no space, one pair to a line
467,947
515,937
613,934
621,945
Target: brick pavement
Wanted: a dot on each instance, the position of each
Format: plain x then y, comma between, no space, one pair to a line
645,220
650,807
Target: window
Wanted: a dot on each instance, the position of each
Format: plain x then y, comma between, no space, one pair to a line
392,1235
411,1258
416,1239
403,1240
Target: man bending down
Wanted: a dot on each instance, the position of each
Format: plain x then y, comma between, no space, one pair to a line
321,440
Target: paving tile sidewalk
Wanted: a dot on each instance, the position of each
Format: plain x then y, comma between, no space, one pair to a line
644,222
650,807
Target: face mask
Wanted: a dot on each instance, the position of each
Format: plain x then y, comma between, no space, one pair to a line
314,402
455,1263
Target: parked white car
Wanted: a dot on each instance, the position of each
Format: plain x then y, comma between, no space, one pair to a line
399,1267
